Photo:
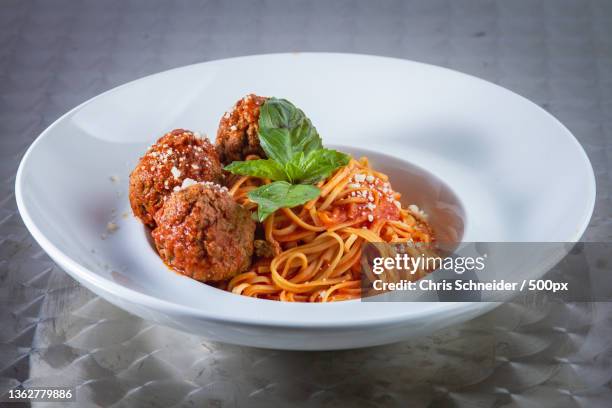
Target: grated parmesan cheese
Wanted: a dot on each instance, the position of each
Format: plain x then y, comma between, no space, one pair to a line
188,182
415,210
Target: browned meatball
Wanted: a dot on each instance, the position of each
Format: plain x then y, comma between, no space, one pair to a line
237,135
204,234
178,155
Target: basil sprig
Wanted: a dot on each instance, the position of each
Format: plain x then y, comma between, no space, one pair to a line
296,159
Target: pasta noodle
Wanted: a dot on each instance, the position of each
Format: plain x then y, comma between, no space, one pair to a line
317,246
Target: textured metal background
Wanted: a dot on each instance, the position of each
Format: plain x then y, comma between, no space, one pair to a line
56,54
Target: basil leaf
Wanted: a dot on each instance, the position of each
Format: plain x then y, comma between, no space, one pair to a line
315,166
268,169
281,194
284,131
294,168
320,163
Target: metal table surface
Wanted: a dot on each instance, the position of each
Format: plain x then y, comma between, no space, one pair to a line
56,54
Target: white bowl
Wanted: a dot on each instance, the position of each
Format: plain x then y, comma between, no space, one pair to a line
519,174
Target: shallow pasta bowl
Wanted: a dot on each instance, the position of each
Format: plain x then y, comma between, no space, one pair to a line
507,170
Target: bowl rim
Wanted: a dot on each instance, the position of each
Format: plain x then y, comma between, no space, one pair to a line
138,298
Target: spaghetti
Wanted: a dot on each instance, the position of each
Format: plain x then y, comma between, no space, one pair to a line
316,247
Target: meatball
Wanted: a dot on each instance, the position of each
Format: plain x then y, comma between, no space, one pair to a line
178,155
204,234
237,135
